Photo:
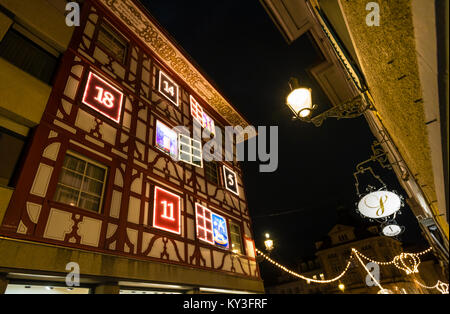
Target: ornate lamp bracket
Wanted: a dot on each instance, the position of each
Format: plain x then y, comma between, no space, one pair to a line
348,110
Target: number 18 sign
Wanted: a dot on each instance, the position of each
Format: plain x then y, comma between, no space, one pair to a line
166,211
103,97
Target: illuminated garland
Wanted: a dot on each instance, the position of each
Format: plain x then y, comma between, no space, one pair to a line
399,261
442,287
301,276
399,258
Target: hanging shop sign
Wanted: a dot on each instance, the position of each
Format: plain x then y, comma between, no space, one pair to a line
379,204
166,211
103,97
391,229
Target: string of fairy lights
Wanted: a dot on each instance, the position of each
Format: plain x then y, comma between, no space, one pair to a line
399,261
442,287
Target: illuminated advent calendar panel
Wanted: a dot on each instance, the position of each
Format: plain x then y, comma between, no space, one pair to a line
204,224
230,180
201,117
103,97
168,88
166,211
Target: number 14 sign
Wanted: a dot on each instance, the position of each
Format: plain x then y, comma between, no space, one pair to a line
166,211
103,97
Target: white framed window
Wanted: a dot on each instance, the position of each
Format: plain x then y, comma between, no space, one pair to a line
236,239
81,183
190,151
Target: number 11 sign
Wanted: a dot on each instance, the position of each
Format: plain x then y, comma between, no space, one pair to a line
103,97
166,211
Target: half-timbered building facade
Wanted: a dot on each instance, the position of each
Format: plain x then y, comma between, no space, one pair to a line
107,183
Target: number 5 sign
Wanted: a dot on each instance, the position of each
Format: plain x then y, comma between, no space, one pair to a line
166,211
103,97
229,177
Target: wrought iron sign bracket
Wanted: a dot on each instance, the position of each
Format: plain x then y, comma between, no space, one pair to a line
348,110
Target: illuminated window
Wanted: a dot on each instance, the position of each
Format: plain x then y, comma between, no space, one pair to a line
168,88
113,43
220,231
103,97
167,211
166,139
236,240
211,172
204,224
190,151
27,55
81,183
201,117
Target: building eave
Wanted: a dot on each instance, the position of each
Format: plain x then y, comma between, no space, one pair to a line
145,28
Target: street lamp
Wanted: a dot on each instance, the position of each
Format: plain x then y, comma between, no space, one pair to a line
341,287
268,243
300,102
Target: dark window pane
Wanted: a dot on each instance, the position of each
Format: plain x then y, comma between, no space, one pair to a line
89,202
66,195
11,147
75,164
28,56
92,186
95,172
211,171
70,179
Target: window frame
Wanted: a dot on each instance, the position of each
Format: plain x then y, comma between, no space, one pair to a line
13,179
231,223
174,157
88,161
208,170
191,148
39,45
117,35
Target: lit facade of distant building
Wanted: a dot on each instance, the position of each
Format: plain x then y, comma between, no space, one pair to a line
331,259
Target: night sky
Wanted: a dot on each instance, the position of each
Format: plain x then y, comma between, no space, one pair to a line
237,45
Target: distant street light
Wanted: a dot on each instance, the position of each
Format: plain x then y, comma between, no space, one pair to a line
268,243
